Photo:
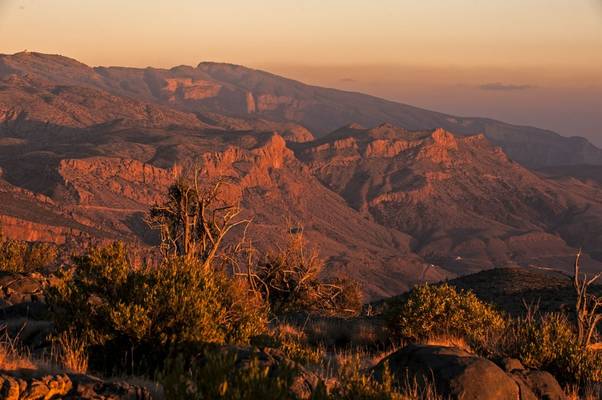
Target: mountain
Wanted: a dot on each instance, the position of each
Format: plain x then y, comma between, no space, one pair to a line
465,203
85,151
100,181
242,93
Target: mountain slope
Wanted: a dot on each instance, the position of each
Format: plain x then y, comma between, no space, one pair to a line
85,151
104,178
241,92
465,203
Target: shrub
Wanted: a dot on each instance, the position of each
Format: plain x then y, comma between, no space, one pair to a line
110,303
219,377
293,343
289,280
19,256
549,342
433,310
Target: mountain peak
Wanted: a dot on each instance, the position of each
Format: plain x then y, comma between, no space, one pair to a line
444,138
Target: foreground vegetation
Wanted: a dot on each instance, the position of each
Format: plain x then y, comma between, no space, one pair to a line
218,319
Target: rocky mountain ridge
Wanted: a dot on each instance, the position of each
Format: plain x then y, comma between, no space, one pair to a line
85,151
241,93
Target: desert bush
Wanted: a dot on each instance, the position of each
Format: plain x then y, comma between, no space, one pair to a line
294,344
20,256
355,384
122,308
435,310
289,279
549,342
219,377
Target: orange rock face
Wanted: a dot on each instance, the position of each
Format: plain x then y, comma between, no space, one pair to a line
189,89
462,199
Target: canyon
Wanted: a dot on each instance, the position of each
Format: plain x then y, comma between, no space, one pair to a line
390,194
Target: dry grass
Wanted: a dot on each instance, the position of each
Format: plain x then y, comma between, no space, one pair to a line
69,352
449,341
12,357
589,393
413,390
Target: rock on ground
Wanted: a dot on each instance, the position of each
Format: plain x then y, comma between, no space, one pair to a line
457,374
28,385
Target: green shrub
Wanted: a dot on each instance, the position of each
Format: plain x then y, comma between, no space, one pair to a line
549,342
431,310
293,343
19,256
219,377
113,305
355,385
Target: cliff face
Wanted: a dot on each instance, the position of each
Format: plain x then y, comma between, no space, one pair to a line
465,203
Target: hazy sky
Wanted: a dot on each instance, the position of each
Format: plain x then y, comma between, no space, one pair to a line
535,62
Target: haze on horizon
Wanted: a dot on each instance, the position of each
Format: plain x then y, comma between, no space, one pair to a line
535,62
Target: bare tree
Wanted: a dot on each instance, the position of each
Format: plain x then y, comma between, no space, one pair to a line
586,306
194,221
289,279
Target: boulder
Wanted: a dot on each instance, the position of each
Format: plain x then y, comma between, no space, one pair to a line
511,364
456,374
536,384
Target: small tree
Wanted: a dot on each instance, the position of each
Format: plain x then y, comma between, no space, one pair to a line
122,309
193,221
586,306
289,279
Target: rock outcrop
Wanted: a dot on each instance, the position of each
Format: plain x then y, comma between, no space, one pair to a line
457,374
30,385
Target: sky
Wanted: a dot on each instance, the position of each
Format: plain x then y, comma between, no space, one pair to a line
533,62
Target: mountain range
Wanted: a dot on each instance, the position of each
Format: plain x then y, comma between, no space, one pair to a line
390,194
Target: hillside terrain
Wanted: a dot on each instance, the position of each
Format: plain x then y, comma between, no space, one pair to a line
415,195
241,93
465,203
